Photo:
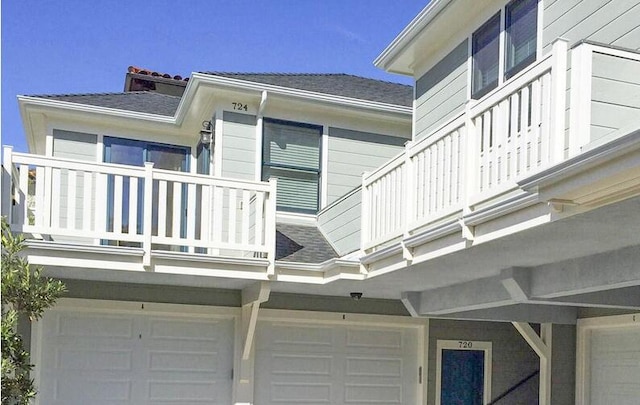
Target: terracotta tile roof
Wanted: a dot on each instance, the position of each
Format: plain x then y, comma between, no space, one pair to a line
153,73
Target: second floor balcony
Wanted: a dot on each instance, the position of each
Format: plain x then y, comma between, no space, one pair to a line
488,161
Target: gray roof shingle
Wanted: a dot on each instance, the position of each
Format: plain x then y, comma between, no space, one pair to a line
139,101
304,244
338,84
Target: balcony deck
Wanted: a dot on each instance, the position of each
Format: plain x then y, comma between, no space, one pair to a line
141,213
480,166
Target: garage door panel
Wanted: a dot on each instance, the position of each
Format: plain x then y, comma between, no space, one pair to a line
99,390
362,365
298,393
373,394
367,339
615,366
294,338
98,358
290,365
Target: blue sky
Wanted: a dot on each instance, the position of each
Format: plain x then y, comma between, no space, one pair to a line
85,46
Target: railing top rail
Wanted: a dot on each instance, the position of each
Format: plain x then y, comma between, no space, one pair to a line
512,85
454,123
136,171
391,165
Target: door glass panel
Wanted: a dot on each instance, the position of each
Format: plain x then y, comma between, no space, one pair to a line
462,377
136,153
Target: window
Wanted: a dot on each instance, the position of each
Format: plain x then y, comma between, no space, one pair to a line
486,56
291,153
518,45
521,20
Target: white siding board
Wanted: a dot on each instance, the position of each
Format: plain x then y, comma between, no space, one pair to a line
615,94
238,146
630,39
352,153
442,91
340,223
596,20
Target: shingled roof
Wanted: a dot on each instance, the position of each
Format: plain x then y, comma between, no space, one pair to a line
304,244
139,101
337,84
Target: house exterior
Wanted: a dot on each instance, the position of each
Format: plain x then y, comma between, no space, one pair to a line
313,238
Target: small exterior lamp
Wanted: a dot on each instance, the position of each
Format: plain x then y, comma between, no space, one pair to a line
206,133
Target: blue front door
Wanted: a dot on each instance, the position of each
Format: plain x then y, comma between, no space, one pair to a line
462,377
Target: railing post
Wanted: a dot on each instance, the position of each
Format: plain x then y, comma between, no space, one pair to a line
580,97
409,194
270,226
365,214
7,183
147,213
558,99
471,154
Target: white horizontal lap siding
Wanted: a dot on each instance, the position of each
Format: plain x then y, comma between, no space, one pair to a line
125,358
615,95
238,146
606,21
305,363
442,91
351,153
341,223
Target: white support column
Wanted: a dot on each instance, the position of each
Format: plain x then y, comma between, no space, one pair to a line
260,136
542,346
217,142
252,297
270,226
472,152
409,194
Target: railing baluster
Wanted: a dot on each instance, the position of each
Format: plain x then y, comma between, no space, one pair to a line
177,213
117,204
86,202
132,222
40,197
22,197
191,213
205,215
245,217
259,217
56,184
71,199
233,213
162,208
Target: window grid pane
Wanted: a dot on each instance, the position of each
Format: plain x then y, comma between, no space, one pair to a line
486,55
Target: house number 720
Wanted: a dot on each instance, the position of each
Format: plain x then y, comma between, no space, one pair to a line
465,344
239,106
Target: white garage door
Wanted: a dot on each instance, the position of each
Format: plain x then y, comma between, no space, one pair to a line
313,364
123,358
615,366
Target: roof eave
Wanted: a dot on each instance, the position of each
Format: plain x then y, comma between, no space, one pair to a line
297,93
388,58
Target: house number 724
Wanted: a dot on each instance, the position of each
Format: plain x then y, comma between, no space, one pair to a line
239,106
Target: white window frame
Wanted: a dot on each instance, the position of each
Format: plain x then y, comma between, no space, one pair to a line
502,47
462,344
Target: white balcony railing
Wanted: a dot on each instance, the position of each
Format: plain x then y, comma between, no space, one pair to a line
515,130
152,209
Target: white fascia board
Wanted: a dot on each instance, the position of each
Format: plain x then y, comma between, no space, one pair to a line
299,94
408,35
27,102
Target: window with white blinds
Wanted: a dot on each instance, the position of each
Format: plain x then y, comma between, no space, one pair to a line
521,21
291,153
